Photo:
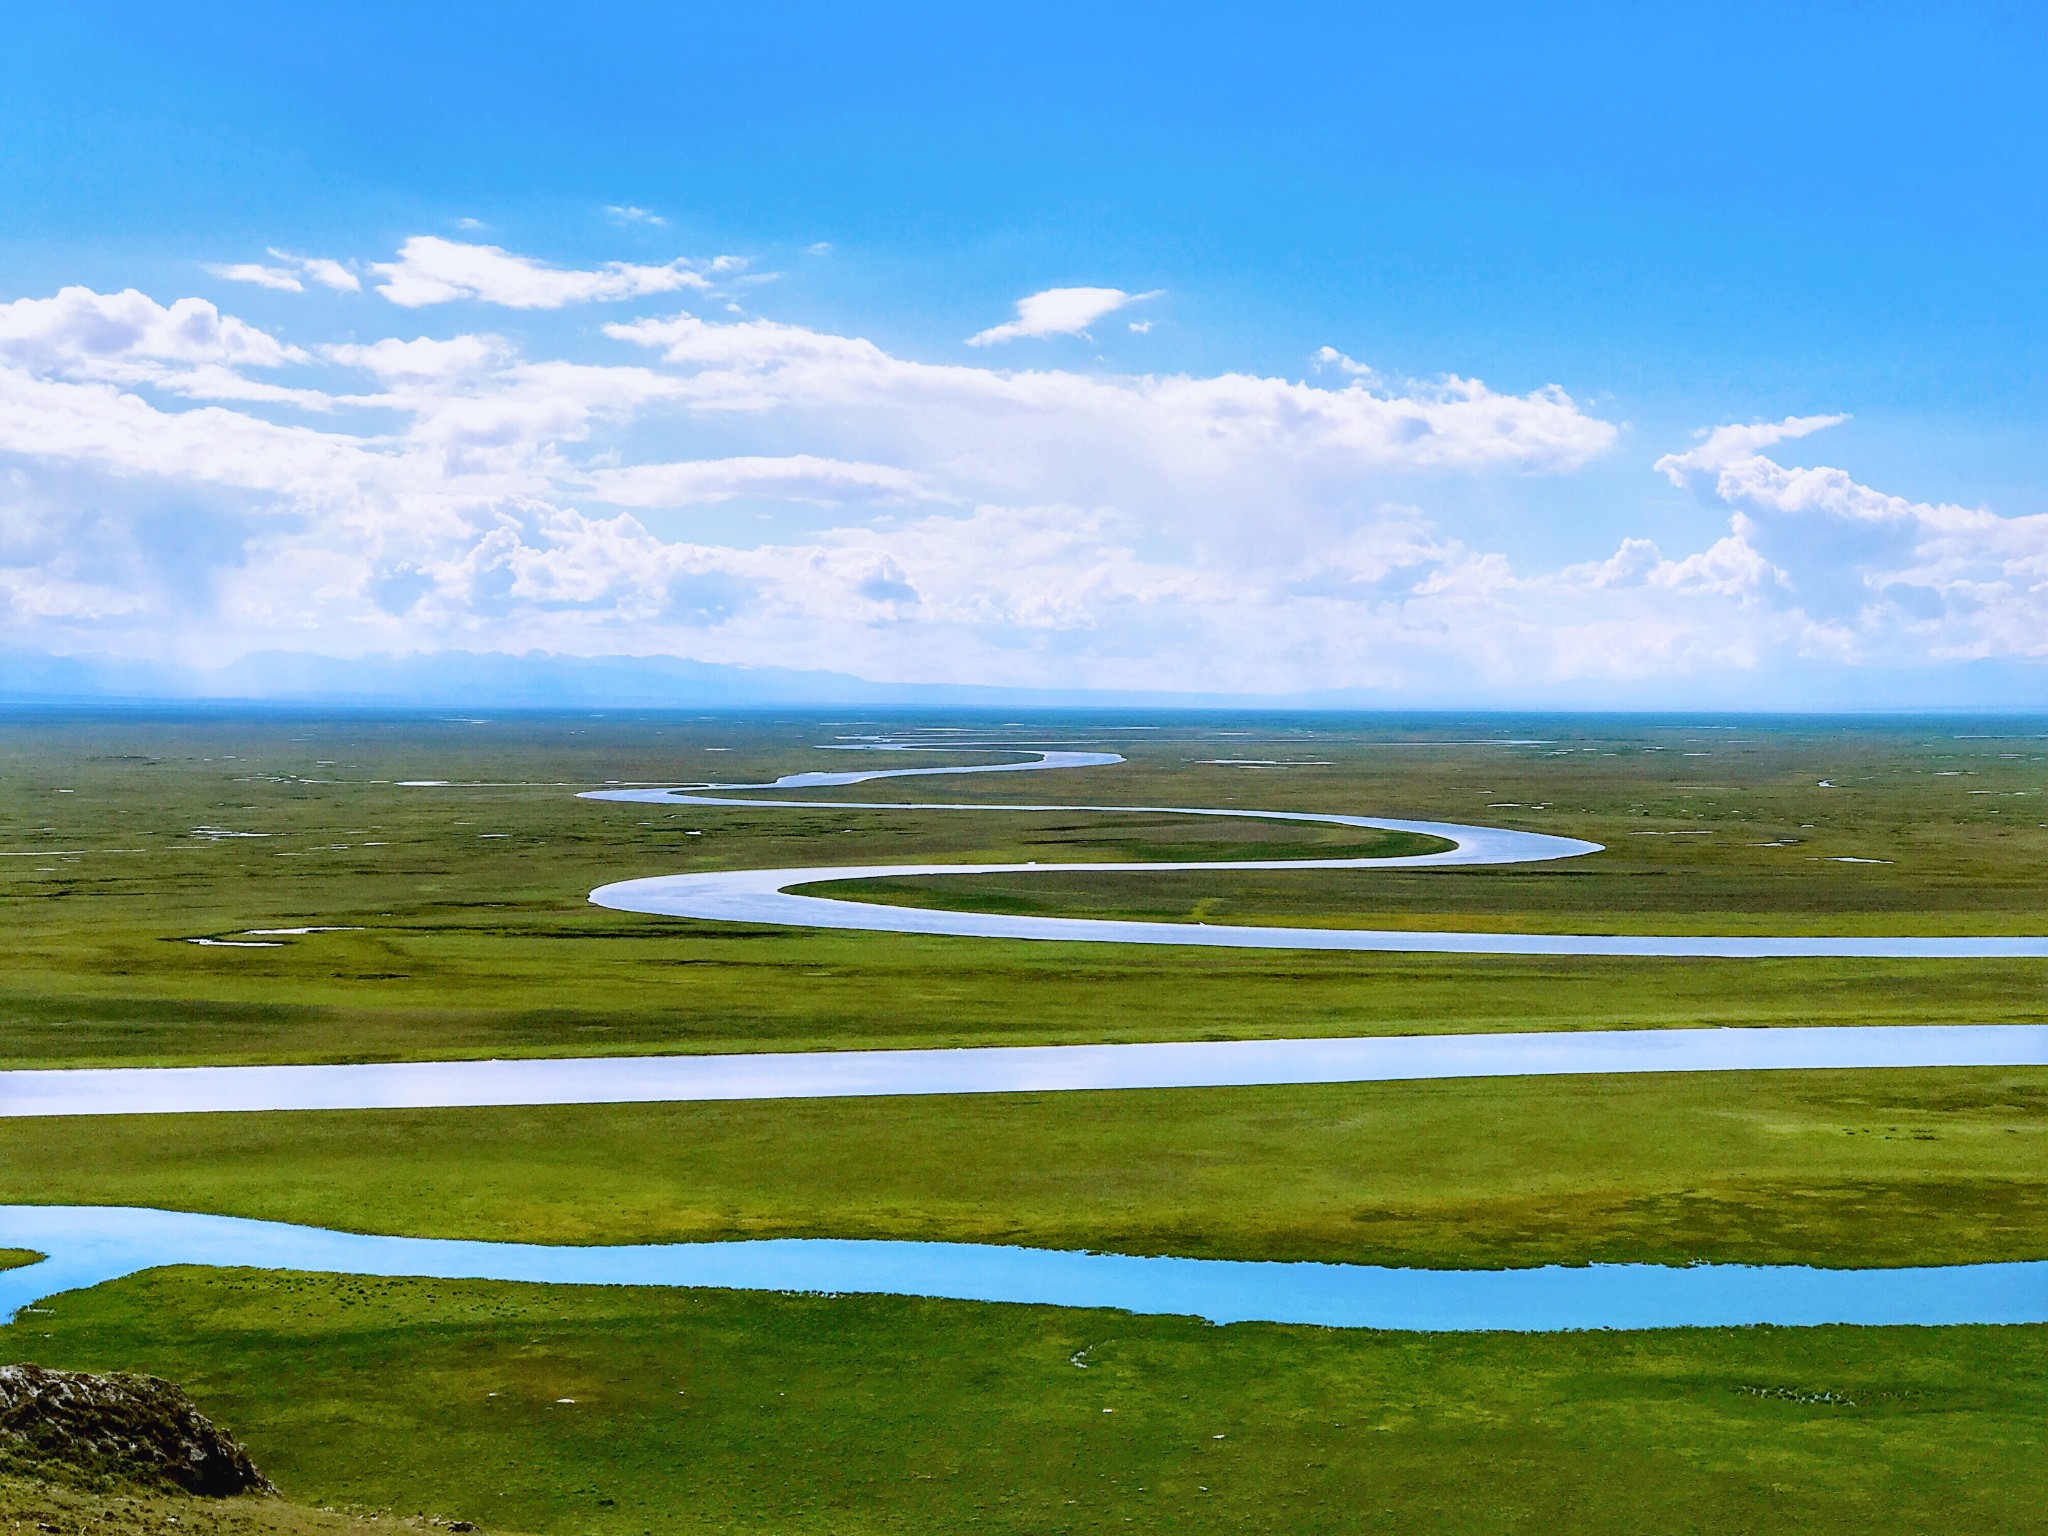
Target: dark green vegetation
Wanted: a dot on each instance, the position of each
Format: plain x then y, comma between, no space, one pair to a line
472,935
119,1427
1841,1168
119,1453
719,1412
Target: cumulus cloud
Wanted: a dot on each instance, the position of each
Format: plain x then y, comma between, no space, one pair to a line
83,332
1150,437
986,520
424,357
1059,312
187,348
176,481
625,213
430,270
1884,574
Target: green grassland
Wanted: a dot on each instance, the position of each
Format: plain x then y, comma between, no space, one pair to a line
710,1411
1834,1168
470,933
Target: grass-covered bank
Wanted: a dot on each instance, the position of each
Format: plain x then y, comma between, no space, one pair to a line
1835,1168
723,1412
63,1509
631,991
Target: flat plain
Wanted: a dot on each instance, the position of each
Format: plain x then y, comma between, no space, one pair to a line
452,923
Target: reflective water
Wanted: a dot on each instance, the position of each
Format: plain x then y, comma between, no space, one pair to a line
770,895
1008,1069
88,1245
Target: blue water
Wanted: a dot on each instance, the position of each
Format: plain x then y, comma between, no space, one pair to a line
88,1245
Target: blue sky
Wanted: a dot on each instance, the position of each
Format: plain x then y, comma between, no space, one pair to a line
1380,345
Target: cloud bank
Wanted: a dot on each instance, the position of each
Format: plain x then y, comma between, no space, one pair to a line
176,483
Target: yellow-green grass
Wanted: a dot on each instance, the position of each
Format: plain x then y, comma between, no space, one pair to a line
67,1509
710,1411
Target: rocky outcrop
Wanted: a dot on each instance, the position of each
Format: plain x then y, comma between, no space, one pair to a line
131,1428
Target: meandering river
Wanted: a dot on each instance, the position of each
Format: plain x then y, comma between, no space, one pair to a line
772,895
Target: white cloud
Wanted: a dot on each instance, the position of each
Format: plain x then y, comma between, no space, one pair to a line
255,272
1058,312
826,503
424,357
627,214
1120,524
329,274
1886,576
83,334
1739,443
799,477
1727,568
1330,357
1047,434
287,278
430,270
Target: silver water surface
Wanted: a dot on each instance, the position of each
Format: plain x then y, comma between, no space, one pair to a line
1008,1069
770,895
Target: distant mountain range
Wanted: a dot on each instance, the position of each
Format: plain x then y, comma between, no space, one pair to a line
540,680
484,680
